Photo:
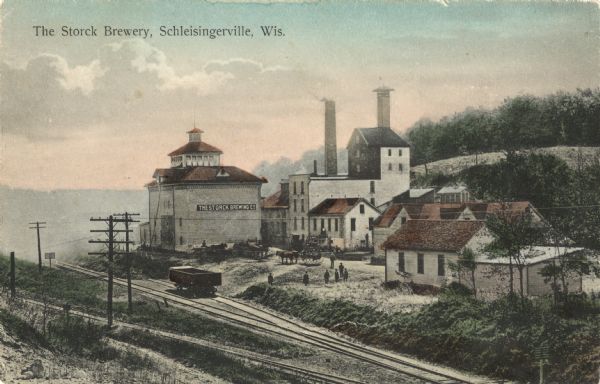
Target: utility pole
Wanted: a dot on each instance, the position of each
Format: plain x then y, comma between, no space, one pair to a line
128,220
110,243
37,227
13,291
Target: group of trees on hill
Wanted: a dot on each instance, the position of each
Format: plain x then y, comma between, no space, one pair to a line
521,122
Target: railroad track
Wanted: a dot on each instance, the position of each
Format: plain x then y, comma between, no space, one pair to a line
265,321
310,375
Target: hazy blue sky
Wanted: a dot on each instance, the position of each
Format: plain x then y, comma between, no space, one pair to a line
103,112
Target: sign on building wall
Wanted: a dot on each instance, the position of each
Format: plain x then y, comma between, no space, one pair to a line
226,207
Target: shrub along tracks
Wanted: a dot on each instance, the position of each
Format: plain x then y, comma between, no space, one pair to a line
260,320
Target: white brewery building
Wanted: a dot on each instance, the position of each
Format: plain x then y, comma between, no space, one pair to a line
378,170
198,201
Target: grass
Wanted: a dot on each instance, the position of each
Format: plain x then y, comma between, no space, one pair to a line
21,330
499,338
64,286
208,360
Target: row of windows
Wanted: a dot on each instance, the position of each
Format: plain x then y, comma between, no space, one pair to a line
441,259
301,188
390,152
301,205
335,225
390,167
329,222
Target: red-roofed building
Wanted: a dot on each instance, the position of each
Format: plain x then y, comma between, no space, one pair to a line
399,213
200,201
421,249
343,222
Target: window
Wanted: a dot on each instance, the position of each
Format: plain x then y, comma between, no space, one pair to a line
335,223
420,263
362,208
302,187
302,224
389,152
399,152
180,221
314,224
302,205
372,186
389,166
370,223
401,267
352,224
180,240
329,225
403,220
295,210
322,224
441,266
400,167
295,223
295,188
357,167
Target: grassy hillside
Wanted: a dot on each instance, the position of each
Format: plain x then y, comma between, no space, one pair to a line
498,338
455,165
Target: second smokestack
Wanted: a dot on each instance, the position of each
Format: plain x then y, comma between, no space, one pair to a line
330,139
383,106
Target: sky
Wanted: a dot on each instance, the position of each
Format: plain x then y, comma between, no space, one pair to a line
103,112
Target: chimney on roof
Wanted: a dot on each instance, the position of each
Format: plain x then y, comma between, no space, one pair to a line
383,106
330,139
315,167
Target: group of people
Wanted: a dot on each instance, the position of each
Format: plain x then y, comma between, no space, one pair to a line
340,273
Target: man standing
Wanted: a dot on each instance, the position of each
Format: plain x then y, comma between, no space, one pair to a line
332,259
305,278
270,278
345,274
326,276
337,276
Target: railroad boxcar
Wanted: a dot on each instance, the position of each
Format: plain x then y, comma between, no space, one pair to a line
197,281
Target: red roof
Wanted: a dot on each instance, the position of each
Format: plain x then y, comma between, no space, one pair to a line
449,211
276,200
433,235
339,206
194,147
388,216
196,130
224,174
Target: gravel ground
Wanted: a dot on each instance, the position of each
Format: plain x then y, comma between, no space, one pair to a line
363,286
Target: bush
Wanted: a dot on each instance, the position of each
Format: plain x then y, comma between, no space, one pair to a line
498,338
456,288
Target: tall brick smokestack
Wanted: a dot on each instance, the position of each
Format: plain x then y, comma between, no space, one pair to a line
330,139
383,106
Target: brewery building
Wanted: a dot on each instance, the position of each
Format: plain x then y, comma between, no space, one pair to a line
198,201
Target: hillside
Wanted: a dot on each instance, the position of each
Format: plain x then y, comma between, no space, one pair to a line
454,165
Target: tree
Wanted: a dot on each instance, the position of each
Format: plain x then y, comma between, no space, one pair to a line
514,237
465,263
